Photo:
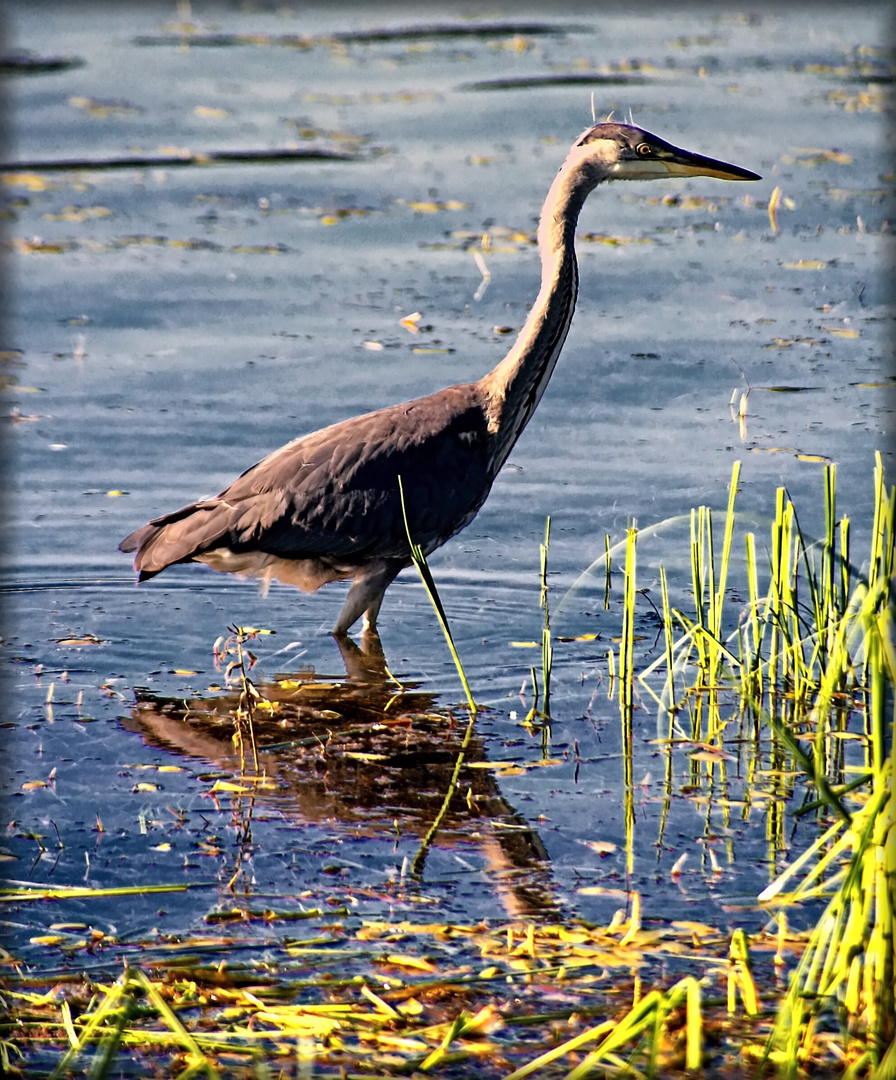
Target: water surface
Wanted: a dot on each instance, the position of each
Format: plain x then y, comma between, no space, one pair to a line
168,326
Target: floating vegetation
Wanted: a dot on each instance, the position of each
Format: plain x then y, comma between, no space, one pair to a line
180,157
517,999
118,243
26,62
541,82
393,996
431,206
104,109
193,35
874,99
812,157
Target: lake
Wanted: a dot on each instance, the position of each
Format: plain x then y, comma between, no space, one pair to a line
186,293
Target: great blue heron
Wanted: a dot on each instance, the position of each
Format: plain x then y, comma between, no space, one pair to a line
326,506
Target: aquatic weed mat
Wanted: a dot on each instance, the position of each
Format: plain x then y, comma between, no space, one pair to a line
262,989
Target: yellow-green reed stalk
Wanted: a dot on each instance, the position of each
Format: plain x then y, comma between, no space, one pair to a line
717,652
777,590
607,577
703,583
751,639
833,601
848,964
697,573
880,658
740,976
670,646
647,1018
863,626
675,656
727,539
419,560
118,1006
547,652
845,584
627,644
779,629
432,592
825,601
626,688
828,604
789,613
884,529
419,859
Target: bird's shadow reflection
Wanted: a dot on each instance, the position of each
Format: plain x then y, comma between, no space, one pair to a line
367,752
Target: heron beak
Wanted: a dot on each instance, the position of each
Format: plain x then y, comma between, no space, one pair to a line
684,163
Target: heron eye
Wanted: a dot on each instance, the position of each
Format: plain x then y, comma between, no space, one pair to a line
644,149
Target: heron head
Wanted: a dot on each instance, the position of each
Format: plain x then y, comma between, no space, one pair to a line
625,152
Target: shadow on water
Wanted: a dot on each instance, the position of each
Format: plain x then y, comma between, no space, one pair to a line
365,752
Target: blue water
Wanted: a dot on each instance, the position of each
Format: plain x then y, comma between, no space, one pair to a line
193,319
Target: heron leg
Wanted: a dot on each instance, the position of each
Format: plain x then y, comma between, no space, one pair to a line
366,595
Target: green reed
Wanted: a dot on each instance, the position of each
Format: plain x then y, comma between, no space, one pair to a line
547,652
419,560
810,651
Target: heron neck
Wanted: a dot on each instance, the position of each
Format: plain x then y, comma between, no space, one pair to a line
516,385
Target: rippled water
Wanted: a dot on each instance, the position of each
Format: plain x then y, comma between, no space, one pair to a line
169,325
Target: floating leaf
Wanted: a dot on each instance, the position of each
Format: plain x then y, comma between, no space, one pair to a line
79,213
416,963
711,754
601,847
31,181
103,108
432,207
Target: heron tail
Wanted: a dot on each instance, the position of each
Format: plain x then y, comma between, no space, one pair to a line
175,538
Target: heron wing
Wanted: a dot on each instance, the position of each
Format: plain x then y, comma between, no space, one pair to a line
334,495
